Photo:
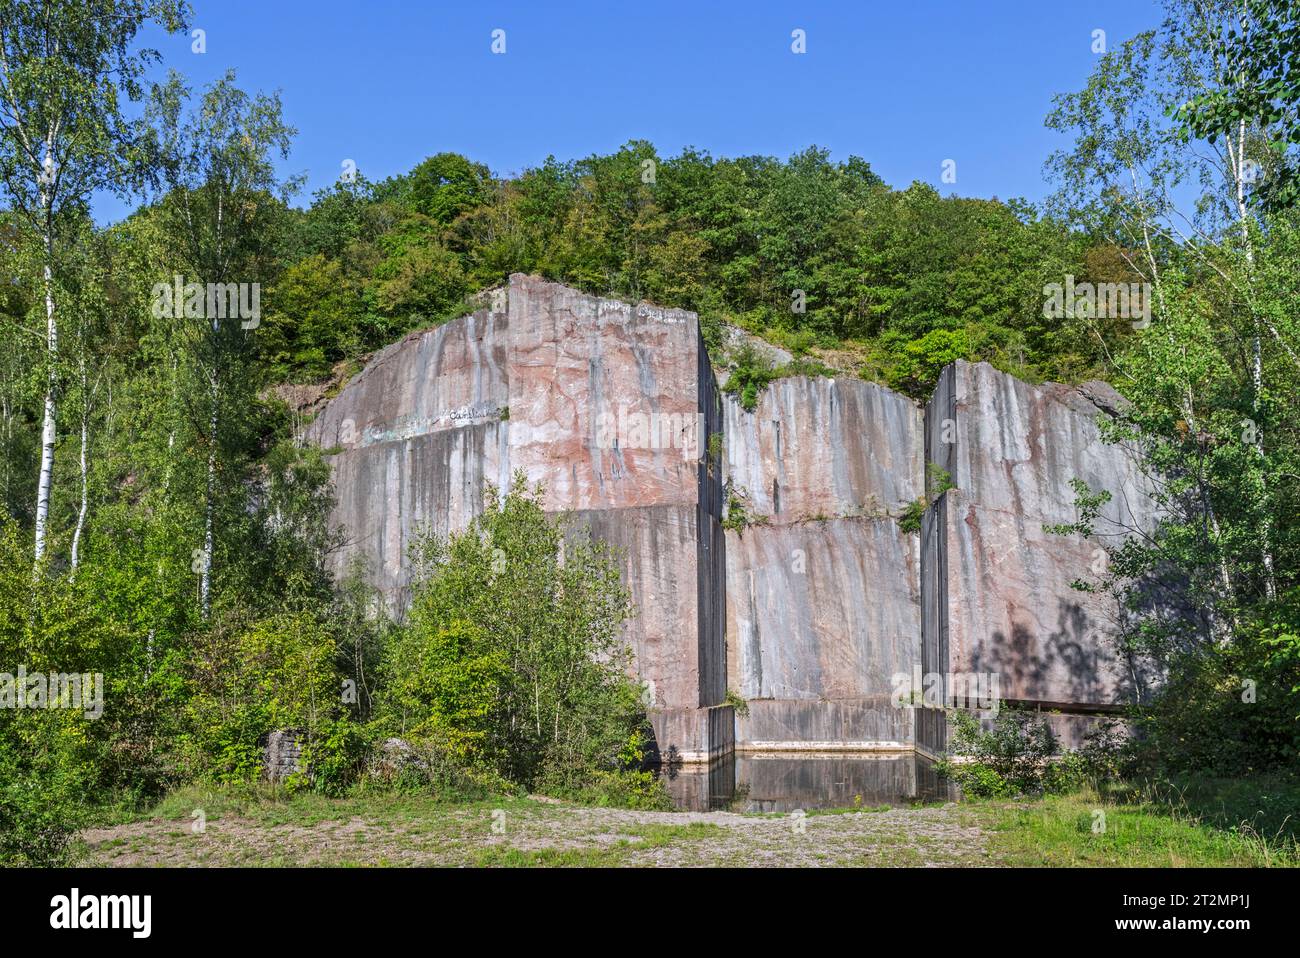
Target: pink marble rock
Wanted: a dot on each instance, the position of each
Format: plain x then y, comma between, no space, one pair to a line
997,582
812,610
608,406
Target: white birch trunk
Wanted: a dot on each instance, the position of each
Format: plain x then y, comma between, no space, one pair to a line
48,427
85,477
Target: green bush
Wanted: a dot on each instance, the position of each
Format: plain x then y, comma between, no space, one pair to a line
46,755
750,372
444,684
43,788
512,661
1009,758
1231,709
246,680
624,788
910,520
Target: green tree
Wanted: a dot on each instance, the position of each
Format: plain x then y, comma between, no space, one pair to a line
1206,379
1255,48
223,205
67,66
513,654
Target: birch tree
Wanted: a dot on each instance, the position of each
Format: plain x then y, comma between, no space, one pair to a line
223,197
66,68
1209,371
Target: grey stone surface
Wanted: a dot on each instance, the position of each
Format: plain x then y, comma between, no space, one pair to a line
388,494
998,583
863,723
824,447
1015,448
1012,610
282,756
808,613
439,379
821,609
609,407
658,549
604,398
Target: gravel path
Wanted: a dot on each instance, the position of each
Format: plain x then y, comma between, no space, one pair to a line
547,833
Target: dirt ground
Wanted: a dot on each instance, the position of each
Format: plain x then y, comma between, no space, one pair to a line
525,832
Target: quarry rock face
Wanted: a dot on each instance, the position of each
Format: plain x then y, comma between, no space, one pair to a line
416,436
997,579
821,448
823,586
820,615
609,407
814,598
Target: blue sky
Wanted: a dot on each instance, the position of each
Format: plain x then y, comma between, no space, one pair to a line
904,85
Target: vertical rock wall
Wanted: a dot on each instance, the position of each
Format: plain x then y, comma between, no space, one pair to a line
416,435
608,406
822,448
823,600
810,607
999,588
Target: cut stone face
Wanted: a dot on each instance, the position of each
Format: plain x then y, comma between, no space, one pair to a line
609,407
999,585
810,611
1012,447
604,398
820,616
1018,615
431,381
822,448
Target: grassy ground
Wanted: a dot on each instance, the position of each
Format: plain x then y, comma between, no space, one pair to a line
1081,831
1205,825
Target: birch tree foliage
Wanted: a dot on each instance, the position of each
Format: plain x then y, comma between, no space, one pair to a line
1212,376
222,201
1257,42
66,71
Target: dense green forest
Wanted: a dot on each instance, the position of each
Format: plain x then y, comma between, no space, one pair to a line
906,280
160,524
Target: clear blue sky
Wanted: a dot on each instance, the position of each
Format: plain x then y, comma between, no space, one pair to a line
904,85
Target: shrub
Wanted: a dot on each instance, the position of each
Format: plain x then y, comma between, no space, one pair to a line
444,686
738,703
910,520
245,680
512,662
1009,758
750,373
43,788
46,625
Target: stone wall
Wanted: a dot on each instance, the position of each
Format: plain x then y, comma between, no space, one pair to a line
417,434
823,598
282,755
822,448
998,580
808,610
609,406
820,614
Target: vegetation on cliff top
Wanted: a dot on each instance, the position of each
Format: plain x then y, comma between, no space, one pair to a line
159,524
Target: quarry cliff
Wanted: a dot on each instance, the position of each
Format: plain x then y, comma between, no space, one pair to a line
766,550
